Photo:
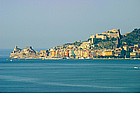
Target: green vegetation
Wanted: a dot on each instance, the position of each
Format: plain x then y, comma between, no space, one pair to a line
108,43
131,38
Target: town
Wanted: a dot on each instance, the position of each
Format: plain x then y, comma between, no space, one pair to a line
109,44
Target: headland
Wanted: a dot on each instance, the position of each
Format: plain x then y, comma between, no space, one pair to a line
110,44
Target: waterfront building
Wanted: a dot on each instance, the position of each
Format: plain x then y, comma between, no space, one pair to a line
62,53
98,53
92,54
86,53
71,54
81,53
133,54
43,54
56,53
59,53
52,53
66,53
108,53
117,52
76,52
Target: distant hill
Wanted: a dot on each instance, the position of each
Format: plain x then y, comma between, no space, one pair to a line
131,38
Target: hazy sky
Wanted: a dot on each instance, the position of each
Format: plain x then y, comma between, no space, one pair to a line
48,23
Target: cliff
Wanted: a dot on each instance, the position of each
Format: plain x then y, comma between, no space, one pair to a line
25,53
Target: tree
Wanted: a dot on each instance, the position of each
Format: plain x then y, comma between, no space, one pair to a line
123,53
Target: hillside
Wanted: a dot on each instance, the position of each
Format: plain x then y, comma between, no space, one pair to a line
131,38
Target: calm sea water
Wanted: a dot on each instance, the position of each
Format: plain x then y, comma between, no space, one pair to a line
69,76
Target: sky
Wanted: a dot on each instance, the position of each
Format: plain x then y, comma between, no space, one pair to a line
47,23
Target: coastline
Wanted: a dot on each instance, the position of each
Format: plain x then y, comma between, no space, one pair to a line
74,59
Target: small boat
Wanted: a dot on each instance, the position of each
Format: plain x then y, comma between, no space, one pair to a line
136,67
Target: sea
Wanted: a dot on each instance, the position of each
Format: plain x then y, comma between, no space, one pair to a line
69,76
